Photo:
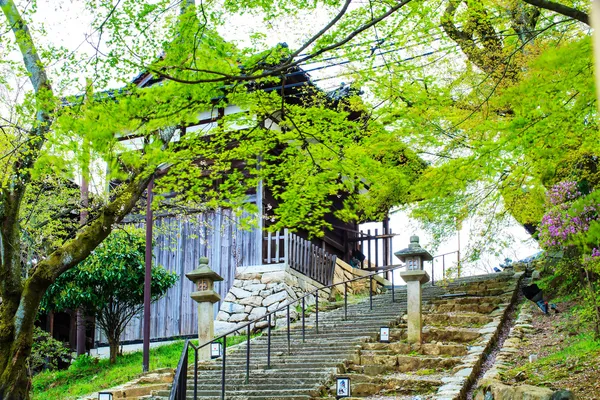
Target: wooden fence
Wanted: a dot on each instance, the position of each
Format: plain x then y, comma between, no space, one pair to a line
370,250
300,255
179,244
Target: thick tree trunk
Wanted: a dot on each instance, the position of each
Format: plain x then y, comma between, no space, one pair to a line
18,311
15,348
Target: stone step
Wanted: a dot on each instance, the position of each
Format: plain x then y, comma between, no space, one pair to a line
372,364
467,300
483,308
255,384
456,319
284,365
432,349
450,335
234,371
239,395
396,384
275,394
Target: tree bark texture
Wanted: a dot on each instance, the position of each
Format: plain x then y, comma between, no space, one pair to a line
21,297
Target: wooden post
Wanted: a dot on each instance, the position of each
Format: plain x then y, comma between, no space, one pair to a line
286,247
147,278
269,239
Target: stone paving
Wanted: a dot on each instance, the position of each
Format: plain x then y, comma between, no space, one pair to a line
490,382
458,331
461,320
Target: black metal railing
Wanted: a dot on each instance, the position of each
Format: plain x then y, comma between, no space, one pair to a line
180,378
179,388
443,256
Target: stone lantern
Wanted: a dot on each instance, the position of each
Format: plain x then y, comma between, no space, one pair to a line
204,280
414,276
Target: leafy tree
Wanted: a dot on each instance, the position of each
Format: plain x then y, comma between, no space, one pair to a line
310,158
51,132
109,284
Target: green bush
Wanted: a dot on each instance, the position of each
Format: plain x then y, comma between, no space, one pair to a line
46,352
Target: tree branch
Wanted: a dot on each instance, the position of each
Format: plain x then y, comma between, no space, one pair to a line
286,65
78,248
11,197
561,9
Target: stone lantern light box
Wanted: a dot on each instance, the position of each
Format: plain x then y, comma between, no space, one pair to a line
414,255
204,279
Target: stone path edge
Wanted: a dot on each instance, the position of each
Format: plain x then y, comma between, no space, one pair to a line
449,392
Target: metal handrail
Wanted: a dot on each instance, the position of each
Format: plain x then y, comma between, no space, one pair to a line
443,264
180,377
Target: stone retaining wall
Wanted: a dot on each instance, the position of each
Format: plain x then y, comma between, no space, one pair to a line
259,290
491,386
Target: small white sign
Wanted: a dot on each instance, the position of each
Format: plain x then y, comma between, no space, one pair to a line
215,350
384,334
342,387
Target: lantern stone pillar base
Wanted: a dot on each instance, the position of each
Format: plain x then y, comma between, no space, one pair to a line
414,280
206,328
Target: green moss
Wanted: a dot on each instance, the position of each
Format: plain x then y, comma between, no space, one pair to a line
577,357
425,372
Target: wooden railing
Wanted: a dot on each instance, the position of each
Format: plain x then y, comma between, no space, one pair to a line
370,250
300,255
274,247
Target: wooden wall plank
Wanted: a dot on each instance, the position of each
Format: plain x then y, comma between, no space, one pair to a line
179,243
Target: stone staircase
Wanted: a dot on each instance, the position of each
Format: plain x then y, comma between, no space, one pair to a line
456,331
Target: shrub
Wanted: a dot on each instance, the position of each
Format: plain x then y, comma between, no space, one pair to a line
46,352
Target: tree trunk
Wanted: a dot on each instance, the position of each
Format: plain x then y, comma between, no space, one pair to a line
21,298
14,378
113,344
15,382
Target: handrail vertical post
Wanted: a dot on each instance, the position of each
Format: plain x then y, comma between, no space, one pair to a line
223,368
248,355
345,300
184,373
195,373
444,267
269,343
370,292
432,274
286,247
369,248
376,249
393,289
317,310
303,319
288,330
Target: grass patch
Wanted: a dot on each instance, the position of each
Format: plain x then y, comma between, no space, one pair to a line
580,355
87,375
425,372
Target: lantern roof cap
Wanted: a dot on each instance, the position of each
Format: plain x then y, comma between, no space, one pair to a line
413,249
203,272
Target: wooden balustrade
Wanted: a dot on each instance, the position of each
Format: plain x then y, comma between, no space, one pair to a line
300,255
